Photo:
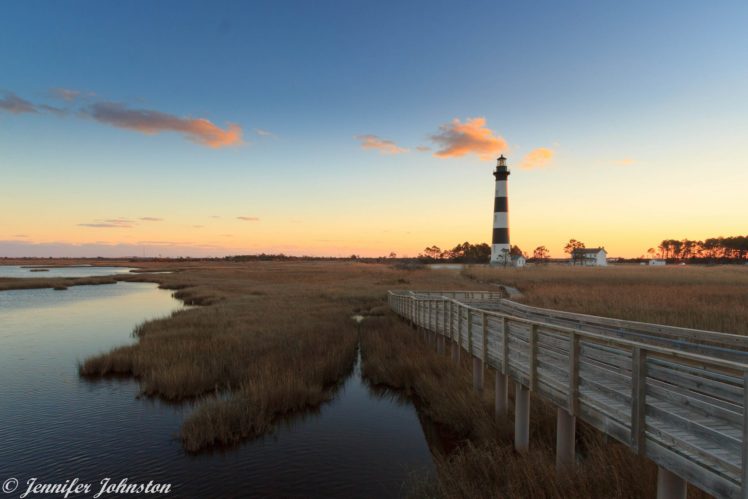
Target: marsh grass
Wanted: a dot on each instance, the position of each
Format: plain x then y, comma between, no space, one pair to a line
271,340
699,297
58,283
484,463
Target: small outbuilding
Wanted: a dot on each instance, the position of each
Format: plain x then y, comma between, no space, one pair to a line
518,261
657,262
589,257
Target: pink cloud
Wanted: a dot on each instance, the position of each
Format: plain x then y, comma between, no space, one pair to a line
149,122
457,139
65,94
379,144
537,158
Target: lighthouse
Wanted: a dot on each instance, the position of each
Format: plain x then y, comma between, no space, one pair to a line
500,242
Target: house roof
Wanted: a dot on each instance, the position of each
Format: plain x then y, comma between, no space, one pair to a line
588,250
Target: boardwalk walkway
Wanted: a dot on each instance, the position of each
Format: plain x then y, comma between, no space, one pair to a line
674,395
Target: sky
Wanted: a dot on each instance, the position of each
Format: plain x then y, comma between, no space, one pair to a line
350,127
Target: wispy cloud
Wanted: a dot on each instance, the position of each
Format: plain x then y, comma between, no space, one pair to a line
384,146
537,158
423,148
625,162
65,94
110,223
264,133
151,219
16,105
54,110
457,139
149,122
249,219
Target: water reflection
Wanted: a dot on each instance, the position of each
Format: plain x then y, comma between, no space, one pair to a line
56,426
19,271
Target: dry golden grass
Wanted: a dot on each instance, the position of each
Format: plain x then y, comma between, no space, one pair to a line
276,338
60,283
712,298
484,463
273,338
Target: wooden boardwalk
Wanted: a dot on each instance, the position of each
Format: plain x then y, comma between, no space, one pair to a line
674,395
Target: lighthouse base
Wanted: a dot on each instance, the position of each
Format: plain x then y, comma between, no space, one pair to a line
500,257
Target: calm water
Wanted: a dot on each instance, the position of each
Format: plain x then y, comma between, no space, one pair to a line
56,427
81,271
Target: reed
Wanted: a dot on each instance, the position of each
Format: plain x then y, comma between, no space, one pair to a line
272,339
711,298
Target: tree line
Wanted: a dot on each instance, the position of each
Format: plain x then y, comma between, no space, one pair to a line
713,249
462,253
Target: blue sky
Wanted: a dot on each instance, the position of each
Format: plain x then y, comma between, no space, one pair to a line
641,107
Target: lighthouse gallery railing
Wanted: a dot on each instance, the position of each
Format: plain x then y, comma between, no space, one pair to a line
683,410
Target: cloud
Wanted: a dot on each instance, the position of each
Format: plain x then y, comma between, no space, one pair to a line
65,94
149,122
625,162
264,133
16,105
151,219
457,139
249,219
112,223
15,248
382,145
537,158
54,110
106,225
423,148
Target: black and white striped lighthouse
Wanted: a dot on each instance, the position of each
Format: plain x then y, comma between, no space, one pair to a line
500,243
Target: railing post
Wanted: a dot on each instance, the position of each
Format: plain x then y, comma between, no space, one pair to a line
565,439
479,360
533,356
638,398
573,402
484,346
456,332
566,418
438,312
505,346
428,316
670,485
501,394
744,463
521,418
470,330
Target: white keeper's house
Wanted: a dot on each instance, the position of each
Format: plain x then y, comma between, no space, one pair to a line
589,257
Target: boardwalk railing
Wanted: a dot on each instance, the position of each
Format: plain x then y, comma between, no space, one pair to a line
682,406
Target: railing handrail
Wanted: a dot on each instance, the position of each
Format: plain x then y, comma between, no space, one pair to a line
601,338
685,410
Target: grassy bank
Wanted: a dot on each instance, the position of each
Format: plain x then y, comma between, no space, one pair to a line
713,298
59,283
271,339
